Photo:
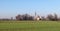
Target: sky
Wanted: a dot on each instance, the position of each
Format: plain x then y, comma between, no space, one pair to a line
11,8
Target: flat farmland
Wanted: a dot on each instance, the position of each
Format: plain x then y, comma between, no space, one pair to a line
29,25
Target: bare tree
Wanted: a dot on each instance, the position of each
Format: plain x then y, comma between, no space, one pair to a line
19,17
52,17
55,16
24,17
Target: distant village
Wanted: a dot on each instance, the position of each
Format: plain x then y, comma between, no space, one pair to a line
52,17
19,17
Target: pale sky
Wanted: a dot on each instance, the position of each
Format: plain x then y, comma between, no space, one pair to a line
10,8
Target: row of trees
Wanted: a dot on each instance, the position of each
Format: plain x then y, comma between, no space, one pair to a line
24,17
52,17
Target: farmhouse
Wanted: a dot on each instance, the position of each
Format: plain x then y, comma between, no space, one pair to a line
37,18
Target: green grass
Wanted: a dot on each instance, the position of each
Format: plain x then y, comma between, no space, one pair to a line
29,26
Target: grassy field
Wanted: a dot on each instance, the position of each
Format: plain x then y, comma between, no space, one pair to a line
29,26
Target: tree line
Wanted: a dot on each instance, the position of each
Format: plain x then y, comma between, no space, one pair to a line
52,17
24,17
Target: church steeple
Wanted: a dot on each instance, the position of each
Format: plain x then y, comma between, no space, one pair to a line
35,13
36,16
